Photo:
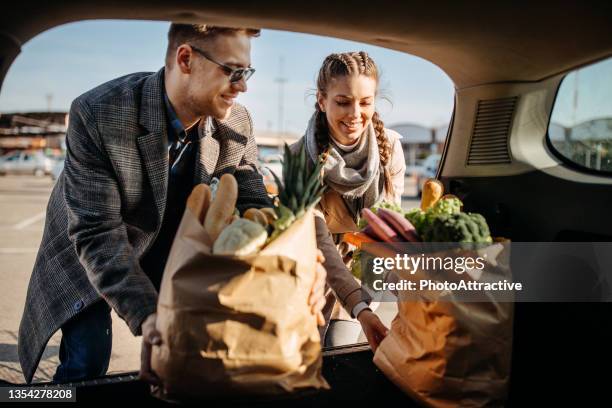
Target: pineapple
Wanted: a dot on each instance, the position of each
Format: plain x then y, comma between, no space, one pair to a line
300,191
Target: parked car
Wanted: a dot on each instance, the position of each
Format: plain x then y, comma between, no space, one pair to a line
268,165
427,170
57,169
26,162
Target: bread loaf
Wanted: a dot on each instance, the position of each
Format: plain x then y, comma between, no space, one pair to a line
199,201
222,208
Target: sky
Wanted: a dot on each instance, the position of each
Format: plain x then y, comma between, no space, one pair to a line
68,60
584,94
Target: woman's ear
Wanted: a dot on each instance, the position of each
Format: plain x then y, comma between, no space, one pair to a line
321,101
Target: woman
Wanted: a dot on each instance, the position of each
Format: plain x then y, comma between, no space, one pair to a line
364,165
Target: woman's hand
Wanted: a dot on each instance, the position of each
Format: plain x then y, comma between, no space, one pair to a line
374,330
316,300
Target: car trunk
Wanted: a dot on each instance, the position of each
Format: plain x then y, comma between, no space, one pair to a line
353,378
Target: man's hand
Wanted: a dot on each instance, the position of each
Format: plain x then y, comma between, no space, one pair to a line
374,330
150,337
316,300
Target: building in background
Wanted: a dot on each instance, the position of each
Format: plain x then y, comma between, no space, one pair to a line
418,142
44,131
271,143
588,143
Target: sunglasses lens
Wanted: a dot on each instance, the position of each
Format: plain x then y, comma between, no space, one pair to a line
236,76
240,74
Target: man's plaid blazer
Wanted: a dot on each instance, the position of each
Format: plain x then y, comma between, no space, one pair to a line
106,209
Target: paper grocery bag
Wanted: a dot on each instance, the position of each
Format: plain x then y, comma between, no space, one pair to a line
445,352
238,325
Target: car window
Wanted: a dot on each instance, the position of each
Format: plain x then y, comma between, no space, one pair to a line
72,59
580,130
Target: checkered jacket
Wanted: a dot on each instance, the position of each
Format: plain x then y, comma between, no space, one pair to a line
106,209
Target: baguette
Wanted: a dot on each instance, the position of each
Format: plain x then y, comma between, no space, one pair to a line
432,191
199,201
222,208
270,214
256,215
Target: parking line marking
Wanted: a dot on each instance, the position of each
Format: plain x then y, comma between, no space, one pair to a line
29,221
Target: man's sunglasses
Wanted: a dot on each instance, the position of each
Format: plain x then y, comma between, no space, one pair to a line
235,74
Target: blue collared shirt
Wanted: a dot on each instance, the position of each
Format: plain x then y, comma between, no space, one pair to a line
175,126
176,130
180,184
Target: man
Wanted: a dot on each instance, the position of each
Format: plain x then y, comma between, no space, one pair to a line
135,148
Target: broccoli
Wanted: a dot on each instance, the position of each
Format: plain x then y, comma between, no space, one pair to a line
442,222
423,219
448,206
417,218
459,227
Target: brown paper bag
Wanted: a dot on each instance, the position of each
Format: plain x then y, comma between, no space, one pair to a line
445,352
238,325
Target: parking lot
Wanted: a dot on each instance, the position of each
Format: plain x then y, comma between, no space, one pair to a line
23,200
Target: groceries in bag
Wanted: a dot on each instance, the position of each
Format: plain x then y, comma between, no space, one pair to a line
441,350
233,306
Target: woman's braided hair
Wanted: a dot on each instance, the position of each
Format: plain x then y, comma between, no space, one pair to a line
346,64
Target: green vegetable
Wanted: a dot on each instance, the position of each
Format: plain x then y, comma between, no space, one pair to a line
422,219
284,221
446,206
457,227
442,222
356,265
300,190
416,216
365,275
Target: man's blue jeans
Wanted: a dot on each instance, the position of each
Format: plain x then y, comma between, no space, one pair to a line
86,345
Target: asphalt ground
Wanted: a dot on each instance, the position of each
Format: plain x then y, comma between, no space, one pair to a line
23,200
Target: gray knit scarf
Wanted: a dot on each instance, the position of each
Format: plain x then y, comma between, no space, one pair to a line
356,175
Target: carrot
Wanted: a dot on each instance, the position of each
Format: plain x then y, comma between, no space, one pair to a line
357,239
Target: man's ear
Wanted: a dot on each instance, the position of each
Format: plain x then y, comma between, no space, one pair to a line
183,58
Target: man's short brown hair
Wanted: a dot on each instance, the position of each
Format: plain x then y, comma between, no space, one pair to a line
186,33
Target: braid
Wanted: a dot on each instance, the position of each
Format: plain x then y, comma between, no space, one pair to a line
348,62
384,150
364,60
384,147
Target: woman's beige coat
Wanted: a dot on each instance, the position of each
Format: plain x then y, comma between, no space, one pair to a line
339,220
